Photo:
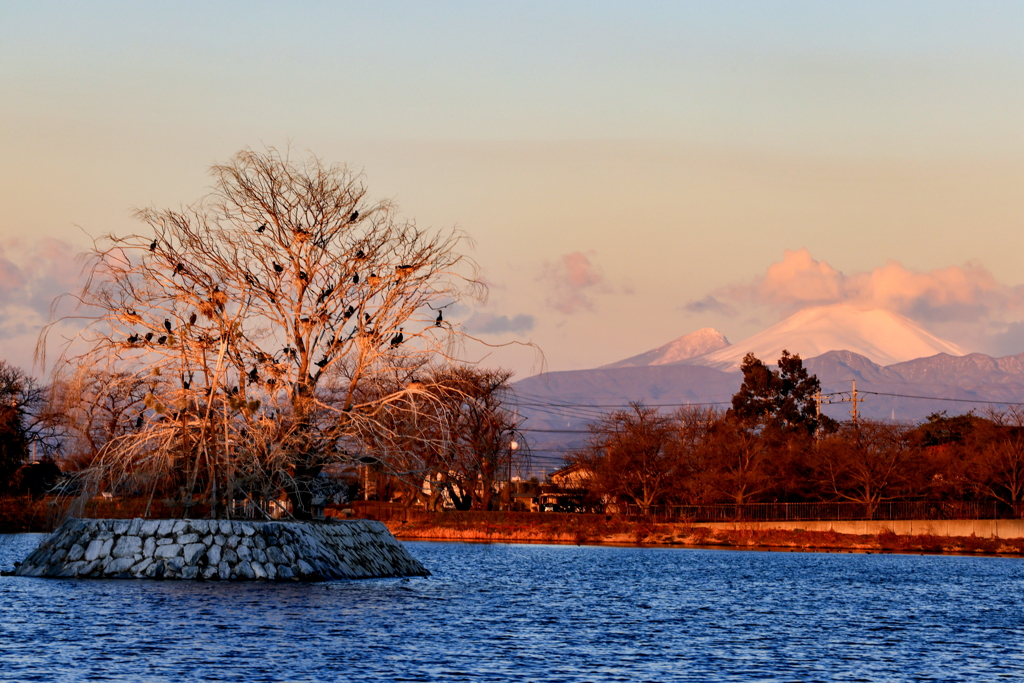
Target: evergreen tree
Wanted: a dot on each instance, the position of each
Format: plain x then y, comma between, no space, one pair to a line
780,400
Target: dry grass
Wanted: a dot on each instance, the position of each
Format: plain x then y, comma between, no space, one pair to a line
601,529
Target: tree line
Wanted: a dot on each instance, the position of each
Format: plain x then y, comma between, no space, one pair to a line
771,445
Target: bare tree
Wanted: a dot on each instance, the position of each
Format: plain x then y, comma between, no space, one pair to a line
18,395
236,309
456,432
869,463
634,455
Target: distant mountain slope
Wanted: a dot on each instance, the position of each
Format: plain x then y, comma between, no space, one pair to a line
881,336
695,344
560,403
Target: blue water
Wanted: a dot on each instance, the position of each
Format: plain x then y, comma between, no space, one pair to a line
535,613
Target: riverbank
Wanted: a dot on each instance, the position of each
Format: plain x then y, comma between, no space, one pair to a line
582,530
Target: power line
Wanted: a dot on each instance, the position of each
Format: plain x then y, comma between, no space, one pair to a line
940,398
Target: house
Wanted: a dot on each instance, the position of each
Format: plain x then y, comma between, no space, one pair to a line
574,476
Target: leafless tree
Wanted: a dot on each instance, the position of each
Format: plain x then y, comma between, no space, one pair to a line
235,310
869,462
634,454
456,430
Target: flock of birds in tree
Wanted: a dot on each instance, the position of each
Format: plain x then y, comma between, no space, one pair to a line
218,299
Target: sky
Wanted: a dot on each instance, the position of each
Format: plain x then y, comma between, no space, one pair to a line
629,172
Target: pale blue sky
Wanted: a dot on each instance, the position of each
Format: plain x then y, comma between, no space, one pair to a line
681,147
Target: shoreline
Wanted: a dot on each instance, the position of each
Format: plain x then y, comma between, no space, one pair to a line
682,535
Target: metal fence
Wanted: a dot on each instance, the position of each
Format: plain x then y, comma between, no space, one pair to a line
794,512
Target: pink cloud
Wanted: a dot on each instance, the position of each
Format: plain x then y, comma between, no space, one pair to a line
956,293
572,281
32,275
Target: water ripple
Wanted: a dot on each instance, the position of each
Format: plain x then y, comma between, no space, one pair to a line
535,613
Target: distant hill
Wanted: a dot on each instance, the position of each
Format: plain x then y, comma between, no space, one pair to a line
902,371
564,402
882,336
685,348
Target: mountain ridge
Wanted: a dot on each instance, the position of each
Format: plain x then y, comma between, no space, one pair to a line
693,345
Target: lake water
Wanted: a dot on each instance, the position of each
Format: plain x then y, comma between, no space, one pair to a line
536,613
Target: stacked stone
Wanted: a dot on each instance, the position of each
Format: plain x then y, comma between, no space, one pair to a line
221,550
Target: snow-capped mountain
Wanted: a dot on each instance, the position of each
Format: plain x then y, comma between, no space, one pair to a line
881,336
692,345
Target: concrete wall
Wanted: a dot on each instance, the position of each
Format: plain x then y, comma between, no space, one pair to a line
981,528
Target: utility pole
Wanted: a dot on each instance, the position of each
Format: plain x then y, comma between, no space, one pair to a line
854,400
817,414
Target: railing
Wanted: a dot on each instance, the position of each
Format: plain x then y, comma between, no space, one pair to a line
794,512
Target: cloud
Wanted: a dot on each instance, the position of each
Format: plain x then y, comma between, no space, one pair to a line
709,304
572,281
967,293
489,323
32,275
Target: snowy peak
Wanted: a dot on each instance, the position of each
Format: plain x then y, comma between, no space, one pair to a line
881,336
690,346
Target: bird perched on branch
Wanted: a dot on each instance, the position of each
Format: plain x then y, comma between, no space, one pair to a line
262,227
278,268
149,336
439,319
167,324
133,339
353,217
192,319
161,340
253,375
152,246
355,279
397,339
324,294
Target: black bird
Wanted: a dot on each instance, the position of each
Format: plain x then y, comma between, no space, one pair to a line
253,375
440,319
138,422
192,319
322,362
133,339
355,279
186,384
261,228
278,268
149,336
353,217
360,254
324,294
271,297
180,268
167,324
349,312
397,339
161,340
303,276
152,247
